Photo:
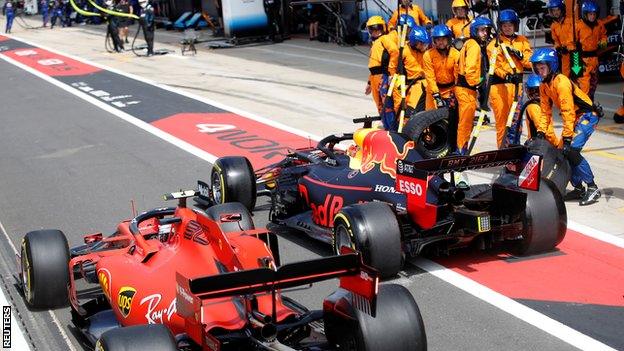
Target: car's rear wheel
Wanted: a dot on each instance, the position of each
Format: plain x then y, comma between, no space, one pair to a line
233,180
246,221
545,221
373,229
397,325
555,166
430,131
153,337
45,271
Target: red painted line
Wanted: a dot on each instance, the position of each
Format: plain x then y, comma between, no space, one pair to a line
49,63
3,38
227,134
334,186
585,271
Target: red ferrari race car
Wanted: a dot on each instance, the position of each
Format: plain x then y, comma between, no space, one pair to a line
181,279
366,199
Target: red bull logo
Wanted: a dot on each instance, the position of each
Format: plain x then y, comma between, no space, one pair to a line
378,148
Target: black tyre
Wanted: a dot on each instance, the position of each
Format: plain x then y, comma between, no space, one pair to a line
545,221
398,324
153,337
555,167
430,130
45,270
233,180
371,228
246,222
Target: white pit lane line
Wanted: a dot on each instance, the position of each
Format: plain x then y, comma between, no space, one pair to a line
522,312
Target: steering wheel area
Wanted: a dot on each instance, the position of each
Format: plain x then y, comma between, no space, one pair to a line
326,145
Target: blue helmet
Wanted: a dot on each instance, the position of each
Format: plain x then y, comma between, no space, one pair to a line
419,34
441,30
407,19
508,16
589,6
547,56
555,4
479,22
533,82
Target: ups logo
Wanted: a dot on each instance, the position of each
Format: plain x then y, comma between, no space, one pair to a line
124,300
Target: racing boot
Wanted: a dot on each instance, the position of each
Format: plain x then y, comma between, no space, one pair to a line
577,194
591,195
618,118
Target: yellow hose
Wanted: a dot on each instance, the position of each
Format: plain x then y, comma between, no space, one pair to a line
113,13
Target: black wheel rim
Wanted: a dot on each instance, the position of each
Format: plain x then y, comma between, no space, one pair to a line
342,238
217,187
434,138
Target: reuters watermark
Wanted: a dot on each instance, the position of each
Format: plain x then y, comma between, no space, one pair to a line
6,327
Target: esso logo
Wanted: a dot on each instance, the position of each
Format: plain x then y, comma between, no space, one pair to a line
50,62
410,187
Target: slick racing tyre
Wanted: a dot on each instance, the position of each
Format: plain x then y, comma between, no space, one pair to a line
152,337
371,228
545,221
45,270
555,167
430,131
245,223
233,180
397,325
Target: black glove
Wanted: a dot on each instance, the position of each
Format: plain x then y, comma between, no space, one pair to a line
512,78
438,100
598,109
428,26
515,52
567,145
540,135
562,50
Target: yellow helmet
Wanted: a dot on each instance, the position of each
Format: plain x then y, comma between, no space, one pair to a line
375,21
459,3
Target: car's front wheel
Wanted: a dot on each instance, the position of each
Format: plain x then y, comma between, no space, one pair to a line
45,268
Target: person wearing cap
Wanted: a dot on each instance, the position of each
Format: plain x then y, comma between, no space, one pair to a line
379,58
533,111
146,20
471,71
440,67
579,115
512,52
9,13
592,36
562,33
419,41
460,23
420,19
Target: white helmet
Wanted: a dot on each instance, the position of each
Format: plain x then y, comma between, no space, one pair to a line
143,3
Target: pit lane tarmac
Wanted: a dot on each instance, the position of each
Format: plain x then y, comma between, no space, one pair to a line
71,166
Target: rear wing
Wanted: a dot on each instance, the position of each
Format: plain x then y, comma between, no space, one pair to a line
518,159
413,177
354,276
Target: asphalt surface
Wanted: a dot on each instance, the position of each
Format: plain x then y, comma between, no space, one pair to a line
69,165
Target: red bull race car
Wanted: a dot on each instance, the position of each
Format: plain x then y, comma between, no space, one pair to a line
181,279
383,198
